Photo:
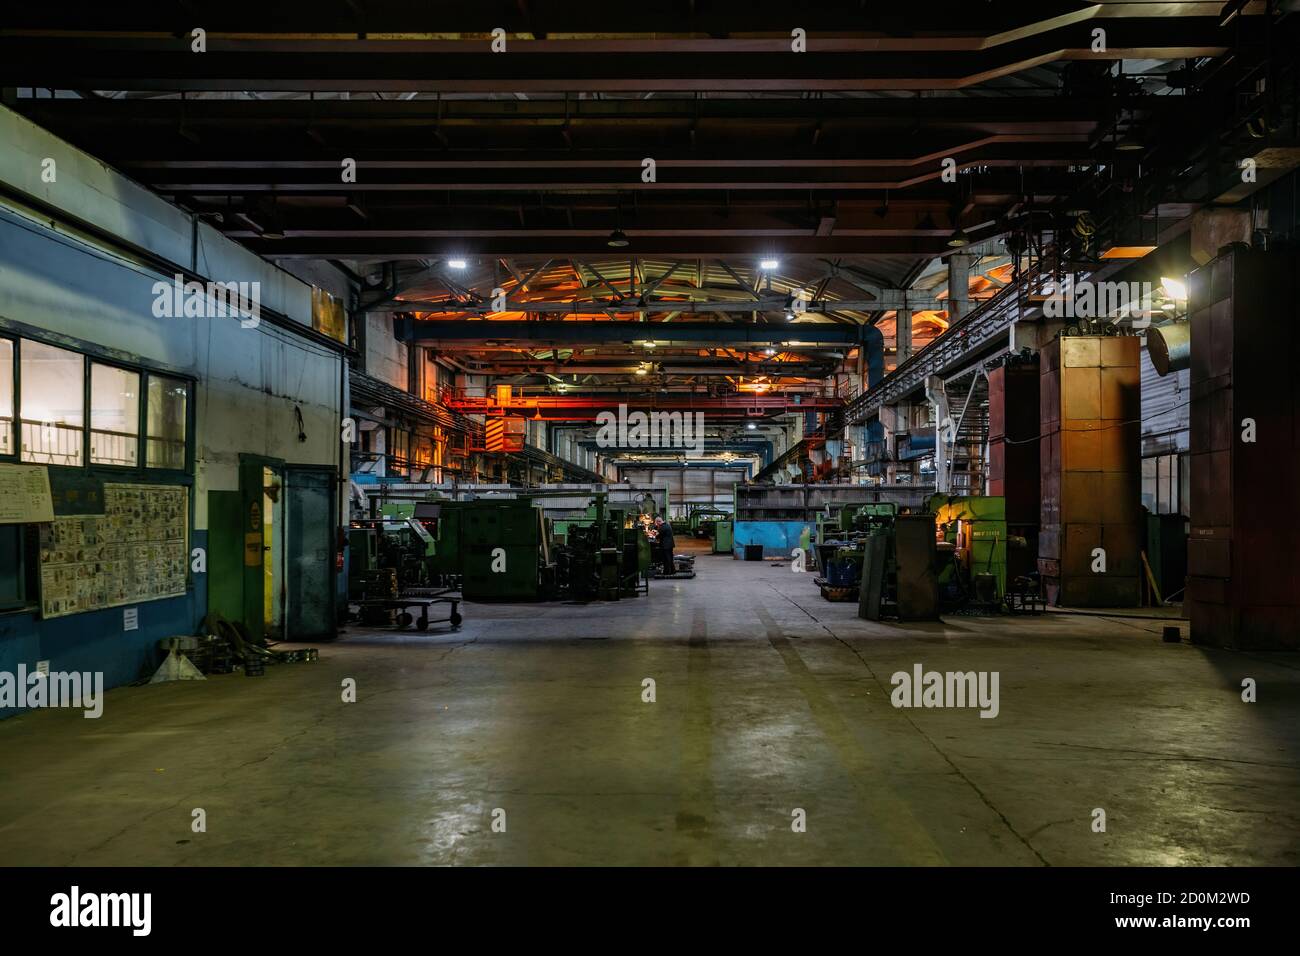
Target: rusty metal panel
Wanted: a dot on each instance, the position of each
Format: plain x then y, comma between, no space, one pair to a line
1123,544
1049,357
1120,351
1049,399
997,403
1211,489
1220,357
1079,351
1244,584
1209,557
1081,448
1121,390
1200,367
1080,395
1091,472
1117,443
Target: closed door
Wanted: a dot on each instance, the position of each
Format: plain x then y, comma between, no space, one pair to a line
309,556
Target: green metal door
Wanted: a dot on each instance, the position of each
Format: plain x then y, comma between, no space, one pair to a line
310,529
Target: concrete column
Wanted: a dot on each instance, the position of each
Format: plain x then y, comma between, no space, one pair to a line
903,336
895,421
935,394
958,285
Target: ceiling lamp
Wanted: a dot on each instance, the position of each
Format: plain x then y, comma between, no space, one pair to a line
767,265
617,239
959,238
1176,289
456,263
751,426
642,370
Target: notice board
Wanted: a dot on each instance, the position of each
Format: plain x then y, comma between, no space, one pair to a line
135,551
25,494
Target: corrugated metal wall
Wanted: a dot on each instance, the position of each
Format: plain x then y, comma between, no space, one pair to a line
1166,407
690,486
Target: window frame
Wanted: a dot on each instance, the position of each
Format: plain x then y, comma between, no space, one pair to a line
89,358
16,424
141,398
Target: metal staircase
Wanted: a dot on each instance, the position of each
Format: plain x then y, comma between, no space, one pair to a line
968,406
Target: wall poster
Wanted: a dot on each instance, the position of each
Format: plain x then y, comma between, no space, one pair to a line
135,551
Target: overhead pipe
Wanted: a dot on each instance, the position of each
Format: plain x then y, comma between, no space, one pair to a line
1169,346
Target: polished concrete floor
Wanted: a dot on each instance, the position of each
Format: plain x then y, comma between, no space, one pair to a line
768,700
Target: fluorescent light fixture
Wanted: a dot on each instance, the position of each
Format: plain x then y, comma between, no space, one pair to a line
767,265
1127,252
1176,289
456,263
650,343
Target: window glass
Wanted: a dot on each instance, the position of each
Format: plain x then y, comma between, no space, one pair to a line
53,401
6,397
114,415
166,422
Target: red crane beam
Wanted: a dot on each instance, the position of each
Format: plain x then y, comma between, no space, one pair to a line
576,408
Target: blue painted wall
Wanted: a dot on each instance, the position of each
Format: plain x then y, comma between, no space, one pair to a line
94,640
778,538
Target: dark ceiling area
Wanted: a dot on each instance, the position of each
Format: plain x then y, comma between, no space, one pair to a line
641,162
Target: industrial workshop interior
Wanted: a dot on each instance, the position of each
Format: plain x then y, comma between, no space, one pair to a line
679,434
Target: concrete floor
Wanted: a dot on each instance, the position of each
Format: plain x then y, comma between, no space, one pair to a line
768,699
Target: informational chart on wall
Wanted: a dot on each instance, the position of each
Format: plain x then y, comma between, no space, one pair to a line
25,494
135,551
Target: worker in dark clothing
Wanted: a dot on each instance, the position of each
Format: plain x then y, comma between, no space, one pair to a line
664,539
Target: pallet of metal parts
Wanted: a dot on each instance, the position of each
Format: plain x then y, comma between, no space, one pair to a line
683,568
254,667
1024,596
836,593
299,656
213,655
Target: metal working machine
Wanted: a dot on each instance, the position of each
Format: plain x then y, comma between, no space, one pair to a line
505,551
971,542
883,559
603,556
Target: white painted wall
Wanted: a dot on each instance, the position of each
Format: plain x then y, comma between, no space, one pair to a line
58,282
386,357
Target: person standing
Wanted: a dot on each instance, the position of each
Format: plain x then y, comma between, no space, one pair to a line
664,538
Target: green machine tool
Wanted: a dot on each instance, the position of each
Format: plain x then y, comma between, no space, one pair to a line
505,551
602,556
972,547
841,546
883,559
724,535
401,546
442,518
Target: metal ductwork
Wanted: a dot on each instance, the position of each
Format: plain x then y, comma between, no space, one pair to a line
1170,347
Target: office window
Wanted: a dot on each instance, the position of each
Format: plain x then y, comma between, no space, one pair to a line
53,403
6,397
166,422
401,451
1161,484
114,415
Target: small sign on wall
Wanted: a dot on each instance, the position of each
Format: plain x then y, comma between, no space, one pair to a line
130,618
